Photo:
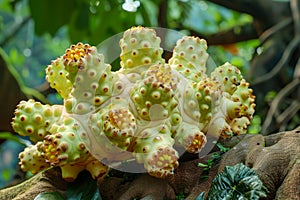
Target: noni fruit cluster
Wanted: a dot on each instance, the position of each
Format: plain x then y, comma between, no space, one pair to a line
143,111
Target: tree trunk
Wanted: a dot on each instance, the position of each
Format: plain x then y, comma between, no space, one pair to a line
10,96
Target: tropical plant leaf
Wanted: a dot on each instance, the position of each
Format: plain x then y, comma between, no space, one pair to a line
201,196
237,182
83,188
50,15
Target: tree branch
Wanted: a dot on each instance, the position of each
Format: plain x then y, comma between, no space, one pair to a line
268,126
295,8
287,115
277,27
233,35
266,13
287,54
162,14
244,6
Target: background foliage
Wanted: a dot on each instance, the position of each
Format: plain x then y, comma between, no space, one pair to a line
35,32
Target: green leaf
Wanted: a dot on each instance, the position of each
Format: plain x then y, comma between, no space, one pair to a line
222,148
5,6
237,182
202,165
201,196
50,15
10,136
49,196
79,24
83,188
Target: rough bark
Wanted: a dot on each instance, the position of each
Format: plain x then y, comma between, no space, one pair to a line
275,159
46,181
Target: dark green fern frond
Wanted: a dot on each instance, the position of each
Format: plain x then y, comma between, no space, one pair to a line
236,182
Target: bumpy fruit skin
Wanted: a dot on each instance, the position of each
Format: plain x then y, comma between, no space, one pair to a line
66,143
154,96
154,148
140,48
143,111
189,57
31,159
34,119
113,128
93,81
57,76
228,77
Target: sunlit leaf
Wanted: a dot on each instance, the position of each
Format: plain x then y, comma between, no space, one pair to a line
5,6
202,165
